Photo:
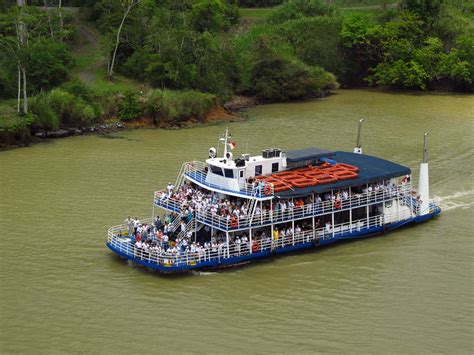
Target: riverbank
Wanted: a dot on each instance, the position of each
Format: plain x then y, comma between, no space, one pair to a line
24,133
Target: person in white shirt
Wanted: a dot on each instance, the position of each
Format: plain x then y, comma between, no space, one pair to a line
129,223
165,240
136,224
328,227
170,188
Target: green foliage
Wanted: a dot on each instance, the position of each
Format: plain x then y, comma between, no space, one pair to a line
130,107
83,92
295,9
259,3
47,63
400,74
43,53
316,41
212,15
176,105
275,78
355,28
458,64
400,53
427,10
44,116
14,123
72,110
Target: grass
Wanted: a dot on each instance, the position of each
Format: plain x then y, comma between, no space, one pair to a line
8,115
119,83
364,3
256,13
91,63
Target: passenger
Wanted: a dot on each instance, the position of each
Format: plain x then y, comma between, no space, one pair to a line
165,240
328,228
275,234
129,223
158,223
136,224
170,188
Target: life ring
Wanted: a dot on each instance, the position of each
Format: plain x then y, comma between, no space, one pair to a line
346,175
255,247
267,189
337,204
234,223
326,179
348,167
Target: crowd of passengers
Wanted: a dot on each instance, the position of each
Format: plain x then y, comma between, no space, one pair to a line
235,211
154,240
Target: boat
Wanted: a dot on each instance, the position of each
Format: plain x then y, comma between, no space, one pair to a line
228,211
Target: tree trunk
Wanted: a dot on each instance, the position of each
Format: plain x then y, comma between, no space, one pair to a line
25,97
19,88
61,24
51,30
21,42
111,69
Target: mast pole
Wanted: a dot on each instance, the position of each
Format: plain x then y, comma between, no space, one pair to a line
225,141
424,181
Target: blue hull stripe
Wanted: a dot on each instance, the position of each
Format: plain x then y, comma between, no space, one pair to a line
226,262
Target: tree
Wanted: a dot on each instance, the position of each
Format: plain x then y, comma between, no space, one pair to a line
275,78
127,5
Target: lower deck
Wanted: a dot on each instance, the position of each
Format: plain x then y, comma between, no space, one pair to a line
219,257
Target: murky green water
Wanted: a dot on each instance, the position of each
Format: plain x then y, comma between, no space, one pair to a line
409,291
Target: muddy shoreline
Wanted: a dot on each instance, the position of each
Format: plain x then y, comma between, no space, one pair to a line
231,111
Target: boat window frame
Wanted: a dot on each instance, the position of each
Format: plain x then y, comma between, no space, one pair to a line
277,165
216,170
227,175
260,170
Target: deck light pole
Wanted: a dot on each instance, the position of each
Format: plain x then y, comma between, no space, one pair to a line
358,148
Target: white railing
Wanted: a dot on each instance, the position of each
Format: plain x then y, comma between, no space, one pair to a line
168,259
189,226
197,171
279,216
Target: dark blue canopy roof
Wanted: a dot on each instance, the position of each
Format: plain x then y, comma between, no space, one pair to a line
371,169
294,156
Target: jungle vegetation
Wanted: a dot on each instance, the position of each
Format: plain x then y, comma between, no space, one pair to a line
71,63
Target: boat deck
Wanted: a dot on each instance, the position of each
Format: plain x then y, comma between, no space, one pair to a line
121,244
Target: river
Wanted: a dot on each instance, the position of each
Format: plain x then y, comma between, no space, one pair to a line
409,291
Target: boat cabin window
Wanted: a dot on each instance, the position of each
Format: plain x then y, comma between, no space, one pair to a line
216,170
258,170
274,167
229,173
241,173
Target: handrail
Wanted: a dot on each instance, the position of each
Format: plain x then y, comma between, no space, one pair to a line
279,216
188,226
197,171
125,246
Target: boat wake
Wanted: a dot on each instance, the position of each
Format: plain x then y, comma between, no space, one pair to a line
457,200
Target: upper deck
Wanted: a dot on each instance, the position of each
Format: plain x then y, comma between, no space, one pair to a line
268,175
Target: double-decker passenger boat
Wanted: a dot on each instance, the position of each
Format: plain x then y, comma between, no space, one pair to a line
228,211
